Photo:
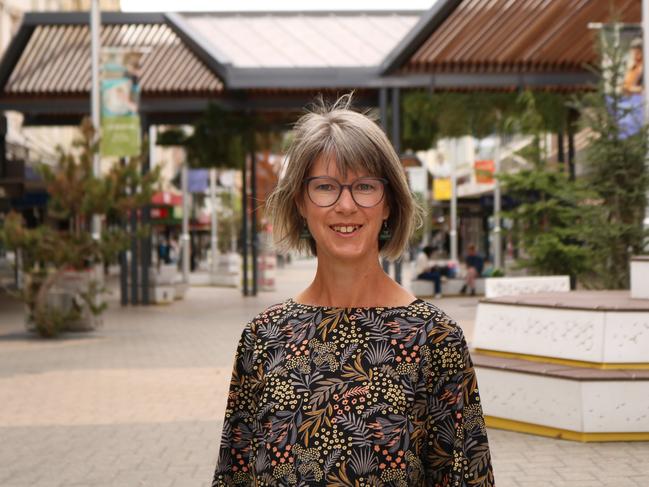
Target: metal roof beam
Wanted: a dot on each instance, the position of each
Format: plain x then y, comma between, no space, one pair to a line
301,78
81,18
428,23
445,81
215,60
13,52
167,110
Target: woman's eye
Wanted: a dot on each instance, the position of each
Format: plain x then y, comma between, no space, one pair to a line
324,187
365,187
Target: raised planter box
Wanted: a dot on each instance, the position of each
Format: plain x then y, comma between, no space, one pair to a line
601,327
564,402
513,286
66,294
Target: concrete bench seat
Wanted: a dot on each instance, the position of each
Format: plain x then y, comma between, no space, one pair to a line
563,401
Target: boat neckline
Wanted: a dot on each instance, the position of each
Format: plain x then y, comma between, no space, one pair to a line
404,306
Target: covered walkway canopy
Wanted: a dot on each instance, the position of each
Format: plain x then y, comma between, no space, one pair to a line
252,60
278,61
506,44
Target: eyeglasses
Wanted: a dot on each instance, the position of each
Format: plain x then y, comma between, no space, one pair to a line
325,191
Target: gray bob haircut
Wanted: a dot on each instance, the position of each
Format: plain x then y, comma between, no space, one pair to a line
354,142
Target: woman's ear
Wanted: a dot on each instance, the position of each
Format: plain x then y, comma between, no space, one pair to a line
386,210
299,204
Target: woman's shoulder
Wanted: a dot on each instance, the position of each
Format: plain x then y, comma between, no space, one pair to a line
437,323
274,314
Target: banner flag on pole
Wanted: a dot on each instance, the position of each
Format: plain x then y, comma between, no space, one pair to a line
120,98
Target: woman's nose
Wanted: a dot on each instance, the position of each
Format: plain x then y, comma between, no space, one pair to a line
346,201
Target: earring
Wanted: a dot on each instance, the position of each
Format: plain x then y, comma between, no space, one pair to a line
305,233
385,234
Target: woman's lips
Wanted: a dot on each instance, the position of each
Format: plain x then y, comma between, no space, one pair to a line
345,233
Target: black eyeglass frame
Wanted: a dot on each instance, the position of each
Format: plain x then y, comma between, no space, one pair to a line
342,188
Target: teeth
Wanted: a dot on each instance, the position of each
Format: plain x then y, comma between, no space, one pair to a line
345,229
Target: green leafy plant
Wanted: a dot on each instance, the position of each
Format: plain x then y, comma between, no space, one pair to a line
429,116
615,167
497,272
63,243
554,216
220,138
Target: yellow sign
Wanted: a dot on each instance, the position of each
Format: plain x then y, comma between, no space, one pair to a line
442,189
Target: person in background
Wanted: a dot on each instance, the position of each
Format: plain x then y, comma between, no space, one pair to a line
474,265
426,270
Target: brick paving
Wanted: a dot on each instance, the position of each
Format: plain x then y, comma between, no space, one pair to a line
139,402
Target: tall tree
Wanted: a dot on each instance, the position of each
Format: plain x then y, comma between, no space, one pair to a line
616,166
553,217
220,138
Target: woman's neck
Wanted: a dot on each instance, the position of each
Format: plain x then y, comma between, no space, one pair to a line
353,284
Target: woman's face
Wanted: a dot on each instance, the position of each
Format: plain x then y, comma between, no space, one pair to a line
329,225
636,52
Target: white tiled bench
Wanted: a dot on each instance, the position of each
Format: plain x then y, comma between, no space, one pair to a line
515,286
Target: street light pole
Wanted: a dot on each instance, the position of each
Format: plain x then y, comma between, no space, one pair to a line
184,237
95,30
498,257
453,232
214,242
645,87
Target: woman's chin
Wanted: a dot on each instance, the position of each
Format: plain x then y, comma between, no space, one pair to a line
347,251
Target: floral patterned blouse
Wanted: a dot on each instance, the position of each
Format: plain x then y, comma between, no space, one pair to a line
353,397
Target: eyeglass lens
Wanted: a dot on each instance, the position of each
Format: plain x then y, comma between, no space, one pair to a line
366,192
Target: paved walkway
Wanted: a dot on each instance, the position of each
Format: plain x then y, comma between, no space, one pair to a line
139,402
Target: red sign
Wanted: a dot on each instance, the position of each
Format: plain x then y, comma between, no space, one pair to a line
484,171
167,198
159,213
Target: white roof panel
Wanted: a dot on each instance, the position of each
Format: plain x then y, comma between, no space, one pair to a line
302,40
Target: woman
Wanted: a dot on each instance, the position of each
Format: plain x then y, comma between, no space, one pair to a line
354,382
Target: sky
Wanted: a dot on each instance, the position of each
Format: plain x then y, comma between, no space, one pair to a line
268,5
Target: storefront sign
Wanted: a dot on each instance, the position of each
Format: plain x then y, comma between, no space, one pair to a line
442,189
484,171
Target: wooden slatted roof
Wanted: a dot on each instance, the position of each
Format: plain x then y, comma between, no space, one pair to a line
509,36
56,60
456,45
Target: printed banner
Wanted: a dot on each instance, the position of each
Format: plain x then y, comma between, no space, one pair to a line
120,98
630,110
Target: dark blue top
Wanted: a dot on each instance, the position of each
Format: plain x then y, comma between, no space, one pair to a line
475,261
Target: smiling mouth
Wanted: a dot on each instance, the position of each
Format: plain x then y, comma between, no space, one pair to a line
345,229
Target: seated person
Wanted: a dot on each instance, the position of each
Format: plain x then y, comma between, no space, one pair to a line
474,266
426,270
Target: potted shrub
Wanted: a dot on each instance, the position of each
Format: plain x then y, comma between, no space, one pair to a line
63,287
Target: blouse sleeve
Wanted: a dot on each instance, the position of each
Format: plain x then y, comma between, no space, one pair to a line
457,452
238,439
